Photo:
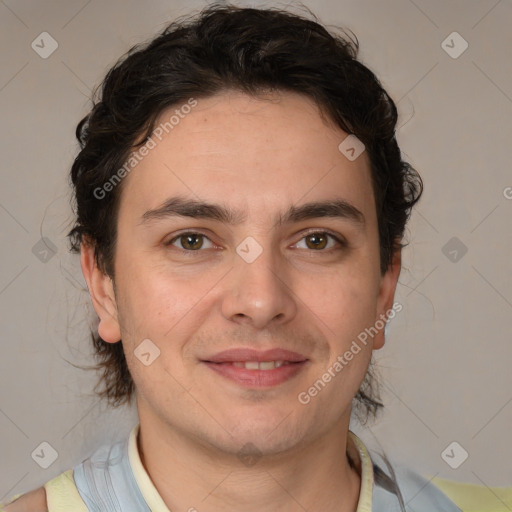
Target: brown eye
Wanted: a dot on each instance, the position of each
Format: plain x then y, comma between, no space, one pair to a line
320,240
316,241
189,241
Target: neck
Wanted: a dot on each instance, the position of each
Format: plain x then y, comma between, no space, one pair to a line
191,475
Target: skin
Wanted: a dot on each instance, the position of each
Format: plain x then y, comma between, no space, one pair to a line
259,156
33,501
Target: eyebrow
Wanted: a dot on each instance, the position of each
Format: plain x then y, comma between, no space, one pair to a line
182,207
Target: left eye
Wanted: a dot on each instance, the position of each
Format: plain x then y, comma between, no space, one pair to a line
319,240
190,241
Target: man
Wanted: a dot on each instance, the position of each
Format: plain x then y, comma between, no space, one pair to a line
241,202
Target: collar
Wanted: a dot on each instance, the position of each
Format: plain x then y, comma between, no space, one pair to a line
357,450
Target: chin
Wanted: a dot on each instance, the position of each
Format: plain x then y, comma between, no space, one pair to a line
271,435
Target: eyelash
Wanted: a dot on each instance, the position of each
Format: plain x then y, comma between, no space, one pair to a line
339,240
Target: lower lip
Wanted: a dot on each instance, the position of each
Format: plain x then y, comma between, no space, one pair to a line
257,378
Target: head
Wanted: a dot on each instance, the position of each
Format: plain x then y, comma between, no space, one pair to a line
234,119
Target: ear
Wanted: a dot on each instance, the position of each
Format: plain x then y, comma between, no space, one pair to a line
386,296
101,289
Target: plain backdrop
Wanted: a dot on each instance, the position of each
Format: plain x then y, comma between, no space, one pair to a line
446,368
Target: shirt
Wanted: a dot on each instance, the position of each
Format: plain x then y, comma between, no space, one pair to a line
113,479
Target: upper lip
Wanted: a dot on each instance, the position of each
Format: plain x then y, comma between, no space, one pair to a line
248,354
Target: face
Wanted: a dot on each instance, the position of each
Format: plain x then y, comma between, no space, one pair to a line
279,252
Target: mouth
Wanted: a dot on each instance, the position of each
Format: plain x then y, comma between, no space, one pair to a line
251,368
259,365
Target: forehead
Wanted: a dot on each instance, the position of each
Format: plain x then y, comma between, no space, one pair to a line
255,153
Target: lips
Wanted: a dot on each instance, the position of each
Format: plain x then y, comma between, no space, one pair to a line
253,368
243,355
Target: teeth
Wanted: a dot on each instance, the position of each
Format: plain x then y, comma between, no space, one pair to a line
263,365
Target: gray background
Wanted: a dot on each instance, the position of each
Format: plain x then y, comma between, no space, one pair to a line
446,365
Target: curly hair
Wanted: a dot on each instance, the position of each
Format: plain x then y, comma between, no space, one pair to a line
249,50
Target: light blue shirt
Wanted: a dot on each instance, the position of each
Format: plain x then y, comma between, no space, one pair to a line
109,481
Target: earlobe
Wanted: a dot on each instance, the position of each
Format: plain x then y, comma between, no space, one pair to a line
102,294
386,295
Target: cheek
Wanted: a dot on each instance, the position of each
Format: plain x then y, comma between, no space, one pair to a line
345,301
152,308
162,304
348,314
148,302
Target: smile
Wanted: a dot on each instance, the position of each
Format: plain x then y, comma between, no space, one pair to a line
259,374
259,365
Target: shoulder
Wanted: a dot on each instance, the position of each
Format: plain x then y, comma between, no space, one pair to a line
476,498
426,493
399,487
58,495
33,501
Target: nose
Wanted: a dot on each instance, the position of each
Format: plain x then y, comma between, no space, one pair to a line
259,293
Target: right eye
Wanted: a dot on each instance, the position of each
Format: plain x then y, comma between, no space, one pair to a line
190,241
